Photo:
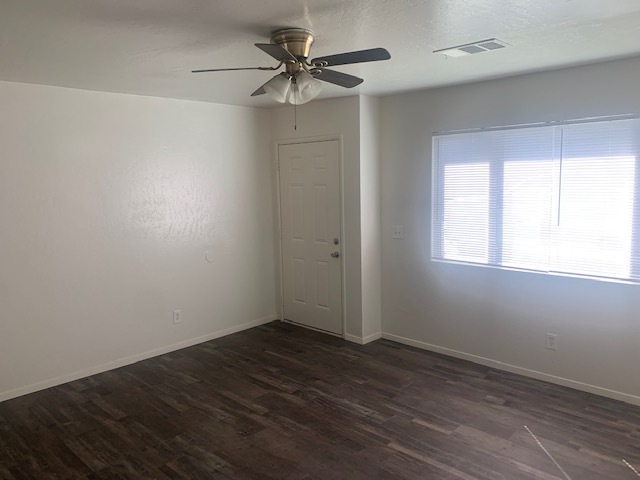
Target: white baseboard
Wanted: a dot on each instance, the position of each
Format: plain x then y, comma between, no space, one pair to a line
585,387
362,340
565,382
70,377
372,338
353,338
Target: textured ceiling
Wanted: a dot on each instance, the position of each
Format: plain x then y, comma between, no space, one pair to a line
148,47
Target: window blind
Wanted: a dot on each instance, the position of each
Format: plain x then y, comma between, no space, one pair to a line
561,199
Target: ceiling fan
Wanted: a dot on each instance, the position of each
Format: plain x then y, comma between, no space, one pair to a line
299,82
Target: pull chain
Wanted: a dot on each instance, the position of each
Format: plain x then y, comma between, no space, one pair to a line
295,107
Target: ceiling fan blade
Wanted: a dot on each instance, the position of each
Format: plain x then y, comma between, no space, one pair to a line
228,69
338,78
259,91
277,52
360,56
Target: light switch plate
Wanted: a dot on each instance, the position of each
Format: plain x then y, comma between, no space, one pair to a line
398,232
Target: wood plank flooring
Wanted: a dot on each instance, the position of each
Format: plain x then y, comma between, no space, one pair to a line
281,402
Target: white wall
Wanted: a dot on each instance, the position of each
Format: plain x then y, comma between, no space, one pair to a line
492,314
370,216
108,204
340,118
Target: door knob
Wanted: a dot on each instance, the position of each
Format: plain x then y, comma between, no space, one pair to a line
335,254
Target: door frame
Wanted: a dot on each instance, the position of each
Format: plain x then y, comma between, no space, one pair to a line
343,249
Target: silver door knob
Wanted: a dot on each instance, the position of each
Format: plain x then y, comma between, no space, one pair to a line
335,254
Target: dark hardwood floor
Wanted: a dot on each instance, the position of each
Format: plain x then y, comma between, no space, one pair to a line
281,402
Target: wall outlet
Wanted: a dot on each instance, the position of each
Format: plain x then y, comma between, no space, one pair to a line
552,341
177,316
397,232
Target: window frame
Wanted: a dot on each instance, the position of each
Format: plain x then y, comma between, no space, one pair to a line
496,197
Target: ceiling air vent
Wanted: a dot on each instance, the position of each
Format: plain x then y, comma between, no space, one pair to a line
471,48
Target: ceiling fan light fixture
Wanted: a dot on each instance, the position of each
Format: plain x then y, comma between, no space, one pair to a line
278,87
305,88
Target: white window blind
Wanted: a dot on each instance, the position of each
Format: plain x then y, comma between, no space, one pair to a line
562,199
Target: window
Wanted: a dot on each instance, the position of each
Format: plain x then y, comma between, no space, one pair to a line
561,199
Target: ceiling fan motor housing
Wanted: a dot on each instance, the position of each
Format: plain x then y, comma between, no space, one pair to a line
296,41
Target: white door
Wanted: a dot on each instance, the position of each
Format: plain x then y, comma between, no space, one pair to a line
311,240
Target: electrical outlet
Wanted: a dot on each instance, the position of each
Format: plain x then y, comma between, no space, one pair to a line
398,232
177,316
552,341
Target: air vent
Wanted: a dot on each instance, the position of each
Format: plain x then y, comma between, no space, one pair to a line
472,48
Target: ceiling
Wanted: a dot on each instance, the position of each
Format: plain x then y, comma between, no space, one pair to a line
148,47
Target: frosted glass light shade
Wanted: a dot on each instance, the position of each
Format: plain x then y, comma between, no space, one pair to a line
278,87
305,89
